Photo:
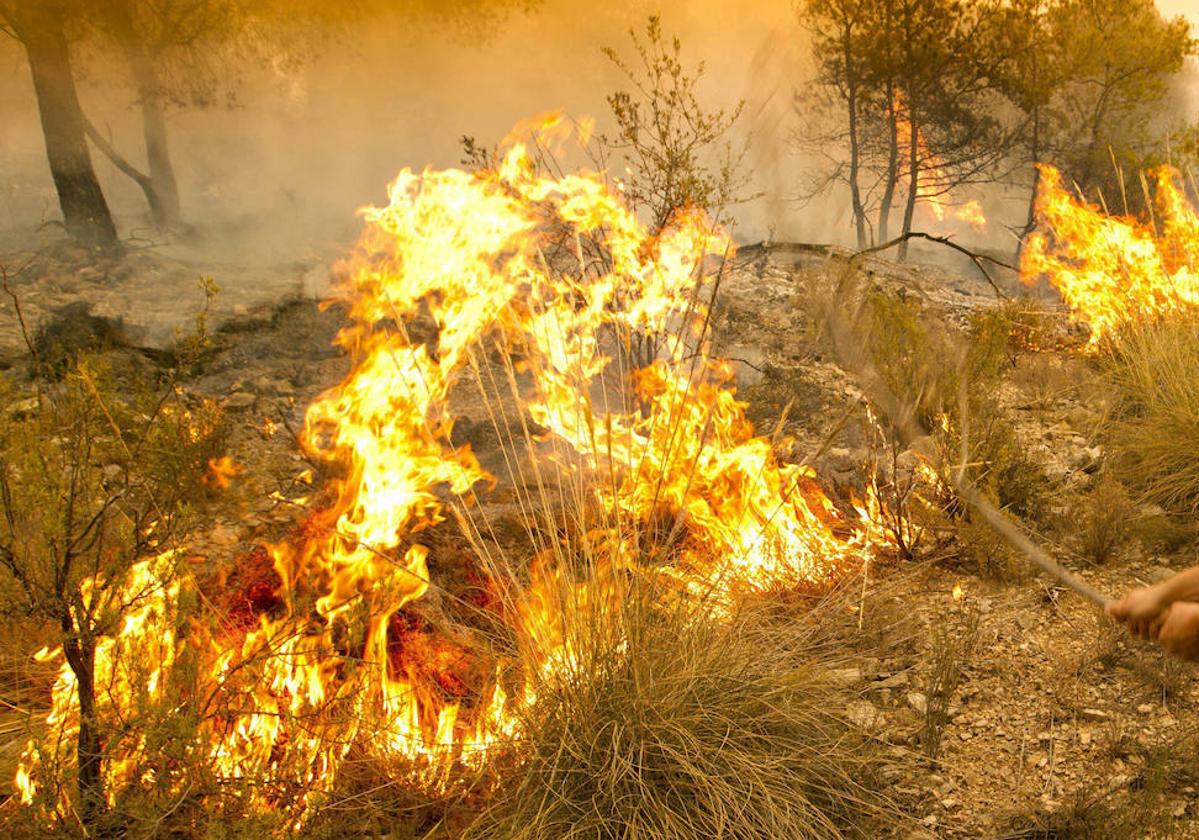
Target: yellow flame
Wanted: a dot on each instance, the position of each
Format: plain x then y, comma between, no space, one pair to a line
1113,270
665,443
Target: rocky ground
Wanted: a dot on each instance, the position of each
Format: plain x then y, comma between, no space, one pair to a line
1051,722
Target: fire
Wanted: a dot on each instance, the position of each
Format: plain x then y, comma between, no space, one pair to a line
931,173
1113,270
221,472
537,290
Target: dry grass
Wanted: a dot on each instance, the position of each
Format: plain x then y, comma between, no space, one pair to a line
1102,522
689,728
1153,370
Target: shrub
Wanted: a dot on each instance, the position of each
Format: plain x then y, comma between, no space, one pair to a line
1102,523
1153,431
690,728
97,475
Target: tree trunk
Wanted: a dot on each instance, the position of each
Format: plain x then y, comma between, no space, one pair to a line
909,210
1031,223
892,179
81,656
162,189
84,209
855,191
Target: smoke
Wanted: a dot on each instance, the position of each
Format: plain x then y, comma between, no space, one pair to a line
283,171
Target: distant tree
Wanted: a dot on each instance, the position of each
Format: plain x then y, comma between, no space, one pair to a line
1121,56
1089,79
676,150
42,29
844,74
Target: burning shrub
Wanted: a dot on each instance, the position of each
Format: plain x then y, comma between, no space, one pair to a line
96,477
689,728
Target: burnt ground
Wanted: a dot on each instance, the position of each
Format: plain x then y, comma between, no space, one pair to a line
1055,724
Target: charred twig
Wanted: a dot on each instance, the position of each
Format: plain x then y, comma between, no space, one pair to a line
976,258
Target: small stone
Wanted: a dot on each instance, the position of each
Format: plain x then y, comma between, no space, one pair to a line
918,701
845,677
894,681
1145,708
240,400
223,535
1094,715
864,715
20,407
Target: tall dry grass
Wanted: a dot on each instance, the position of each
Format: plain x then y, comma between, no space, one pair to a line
687,727
1152,433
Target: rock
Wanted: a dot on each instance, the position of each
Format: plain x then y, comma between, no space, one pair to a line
223,536
1144,708
21,407
899,680
1094,715
845,677
238,401
865,716
918,701
1159,573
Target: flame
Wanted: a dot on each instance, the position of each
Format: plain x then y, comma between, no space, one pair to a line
221,472
1113,270
537,288
931,172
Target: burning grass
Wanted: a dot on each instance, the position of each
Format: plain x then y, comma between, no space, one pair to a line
348,645
1113,271
689,728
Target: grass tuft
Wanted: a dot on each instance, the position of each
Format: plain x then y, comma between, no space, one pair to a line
689,728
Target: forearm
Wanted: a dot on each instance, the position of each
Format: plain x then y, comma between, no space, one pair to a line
1184,586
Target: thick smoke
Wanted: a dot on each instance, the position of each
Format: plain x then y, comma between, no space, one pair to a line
281,173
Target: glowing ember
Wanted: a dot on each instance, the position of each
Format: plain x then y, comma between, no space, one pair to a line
221,472
1113,270
538,289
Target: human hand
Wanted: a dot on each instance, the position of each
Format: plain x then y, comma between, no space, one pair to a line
1140,608
1177,630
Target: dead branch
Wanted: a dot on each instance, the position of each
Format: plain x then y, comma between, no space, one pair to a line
979,260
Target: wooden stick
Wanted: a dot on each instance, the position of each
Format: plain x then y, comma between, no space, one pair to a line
850,348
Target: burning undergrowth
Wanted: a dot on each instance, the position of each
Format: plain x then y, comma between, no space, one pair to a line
396,624
1115,271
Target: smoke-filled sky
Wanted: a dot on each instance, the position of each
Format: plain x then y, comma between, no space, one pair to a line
303,149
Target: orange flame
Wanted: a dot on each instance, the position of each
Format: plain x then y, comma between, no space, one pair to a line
1114,270
931,173
620,452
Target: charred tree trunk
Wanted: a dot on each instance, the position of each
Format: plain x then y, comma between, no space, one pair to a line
84,208
909,210
81,657
892,178
855,152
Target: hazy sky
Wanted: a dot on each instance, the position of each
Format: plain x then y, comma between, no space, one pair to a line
302,150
